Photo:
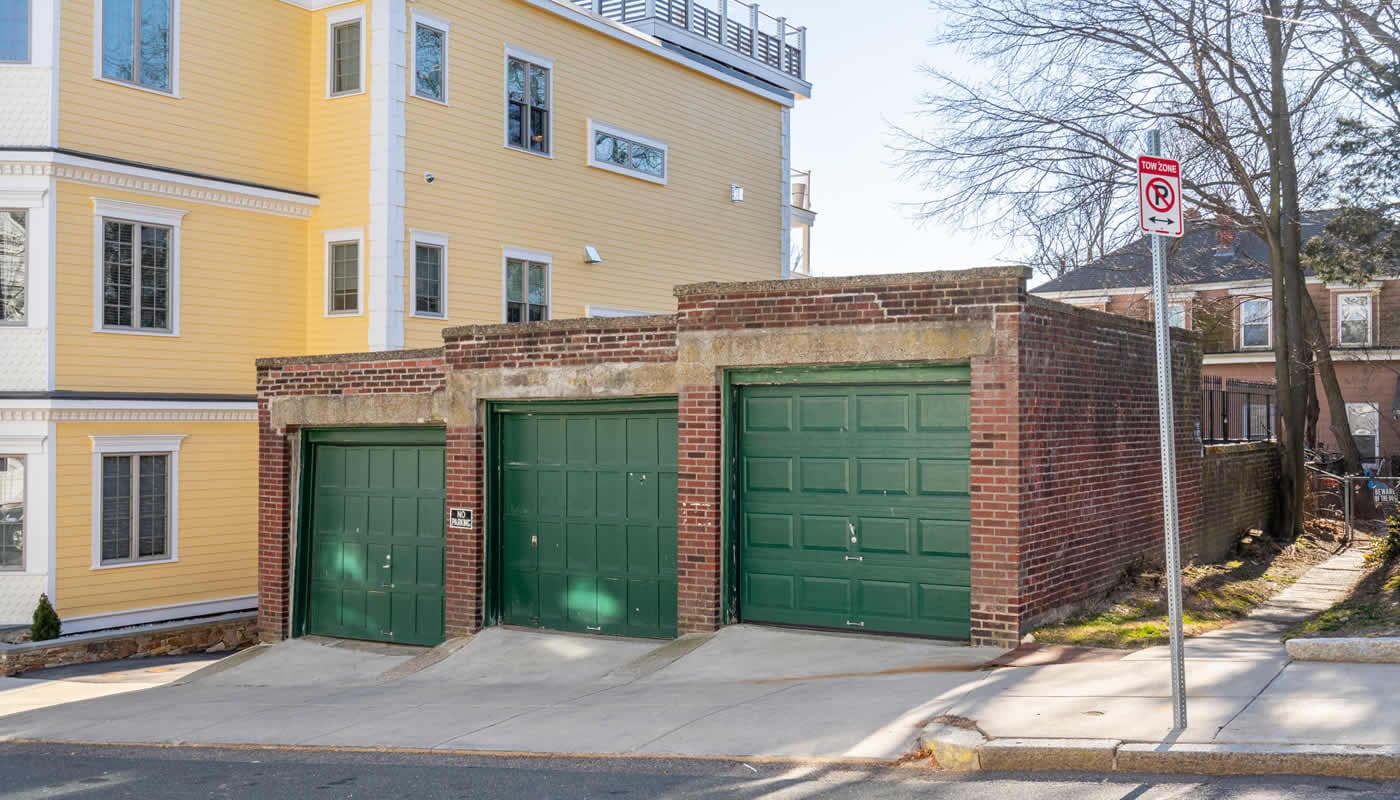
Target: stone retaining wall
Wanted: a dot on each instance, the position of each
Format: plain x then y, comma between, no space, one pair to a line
199,636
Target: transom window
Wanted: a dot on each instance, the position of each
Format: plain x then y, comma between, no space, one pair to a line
527,105
137,40
1354,320
345,57
135,275
527,290
14,31
344,278
628,153
1256,323
14,257
428,280
11,512
135,508
430,61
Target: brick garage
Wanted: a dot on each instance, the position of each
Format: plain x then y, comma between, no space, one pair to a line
1063,479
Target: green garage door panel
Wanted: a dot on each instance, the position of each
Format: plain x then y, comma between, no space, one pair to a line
587,515
854,507
376,563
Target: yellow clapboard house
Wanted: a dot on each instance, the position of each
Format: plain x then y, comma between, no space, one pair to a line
186,185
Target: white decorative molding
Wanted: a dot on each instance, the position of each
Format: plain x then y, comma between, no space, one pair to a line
22,445
155,182
108,411
138,212
167,613
137,442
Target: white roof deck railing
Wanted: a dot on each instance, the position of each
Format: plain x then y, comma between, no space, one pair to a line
734,25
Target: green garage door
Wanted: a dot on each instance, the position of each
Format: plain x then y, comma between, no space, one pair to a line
854,507
587,511
376,538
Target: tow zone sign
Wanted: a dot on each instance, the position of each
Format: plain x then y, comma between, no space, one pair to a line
1159,196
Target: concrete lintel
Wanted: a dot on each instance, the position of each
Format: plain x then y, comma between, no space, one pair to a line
356,410
467,388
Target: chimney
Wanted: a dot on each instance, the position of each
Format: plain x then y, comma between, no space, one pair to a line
1224,234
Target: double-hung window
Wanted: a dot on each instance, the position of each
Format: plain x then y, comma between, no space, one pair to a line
14,258
1176,315
138,42
1354,320
1364,420
527,290
342,276
1256,323
429,275
14,31
628,153
528,102
136,276
11,512
135,507
430,59
345,53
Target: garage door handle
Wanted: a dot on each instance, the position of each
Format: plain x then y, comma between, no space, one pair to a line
855,558
855,624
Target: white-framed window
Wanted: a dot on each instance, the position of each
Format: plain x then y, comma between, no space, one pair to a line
529,102
345,266
137,253
14,34
1364,419
138,43
430,57
429,279
1354,319
14,265
12,496
527,286
345,51
135,499
1256,323
631,154
1176,315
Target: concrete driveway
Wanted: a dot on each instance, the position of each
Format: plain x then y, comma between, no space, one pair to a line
745,691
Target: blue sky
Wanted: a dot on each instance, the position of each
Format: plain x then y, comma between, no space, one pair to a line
865,70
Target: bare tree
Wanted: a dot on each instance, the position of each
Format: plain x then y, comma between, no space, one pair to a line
1076,83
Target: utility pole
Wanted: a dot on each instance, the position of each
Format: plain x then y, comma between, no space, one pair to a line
1166,416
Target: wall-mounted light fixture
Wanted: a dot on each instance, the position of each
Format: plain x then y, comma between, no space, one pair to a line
736,193
590,255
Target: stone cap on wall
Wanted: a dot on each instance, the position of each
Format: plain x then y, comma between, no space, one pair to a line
427,353
650,322
839,283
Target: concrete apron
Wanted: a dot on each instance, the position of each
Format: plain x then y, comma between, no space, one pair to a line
748,692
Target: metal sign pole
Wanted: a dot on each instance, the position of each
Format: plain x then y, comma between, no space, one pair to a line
1166,415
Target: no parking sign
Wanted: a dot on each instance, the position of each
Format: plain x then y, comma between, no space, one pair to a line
1159,196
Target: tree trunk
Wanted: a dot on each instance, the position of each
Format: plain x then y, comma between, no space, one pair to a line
1336,404
1310,423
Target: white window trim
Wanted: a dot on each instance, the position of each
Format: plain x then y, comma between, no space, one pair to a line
1375,411
137,444
595,127
1270,319
539,257
539,61
29,450
174,53
1185,311
343,236
334,18
123,211
445,27
28,40
439,240
28,202
1370,318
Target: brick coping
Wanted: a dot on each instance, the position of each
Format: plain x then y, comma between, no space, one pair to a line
581,324
839,282
350,358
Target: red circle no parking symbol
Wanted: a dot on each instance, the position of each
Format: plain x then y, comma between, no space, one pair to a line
1160,195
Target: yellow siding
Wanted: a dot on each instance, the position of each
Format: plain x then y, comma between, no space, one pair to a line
338,166
241,115
651,237
240,298
217,521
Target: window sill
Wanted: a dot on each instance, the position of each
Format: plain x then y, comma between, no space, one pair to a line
124,332
535,153
125,564
627,173
438,317
340,314
171,94
339,95
433,100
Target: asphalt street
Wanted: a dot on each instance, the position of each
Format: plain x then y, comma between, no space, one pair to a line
51,771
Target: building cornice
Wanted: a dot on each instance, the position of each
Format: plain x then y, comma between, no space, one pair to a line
155,182
39,410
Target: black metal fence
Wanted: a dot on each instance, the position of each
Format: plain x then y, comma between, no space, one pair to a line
1236,410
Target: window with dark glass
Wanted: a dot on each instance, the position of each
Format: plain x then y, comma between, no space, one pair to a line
1256,323
135,276
14,266
427,288
11,512
345,57
429,47
135,508
344,278
136,42
527,291
527,106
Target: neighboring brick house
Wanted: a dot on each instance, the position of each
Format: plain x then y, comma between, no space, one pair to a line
1220,288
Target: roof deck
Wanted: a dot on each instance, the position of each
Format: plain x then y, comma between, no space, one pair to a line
733,32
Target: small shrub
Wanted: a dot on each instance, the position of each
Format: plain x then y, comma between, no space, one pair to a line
46,622
1387,548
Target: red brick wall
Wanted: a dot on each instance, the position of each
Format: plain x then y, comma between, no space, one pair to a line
699,530
562,343
1239,491
1091,500
885,298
